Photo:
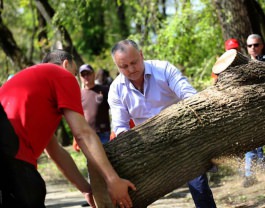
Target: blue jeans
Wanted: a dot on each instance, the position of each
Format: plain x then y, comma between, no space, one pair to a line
250,158
201,192
104,137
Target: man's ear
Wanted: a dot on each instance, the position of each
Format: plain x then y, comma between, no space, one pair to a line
65,64
141,54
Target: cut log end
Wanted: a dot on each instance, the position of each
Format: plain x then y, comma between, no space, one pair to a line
230,58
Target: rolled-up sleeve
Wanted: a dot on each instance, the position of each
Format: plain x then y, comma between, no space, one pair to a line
119,114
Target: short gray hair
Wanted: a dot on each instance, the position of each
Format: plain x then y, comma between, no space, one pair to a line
255,36
120,46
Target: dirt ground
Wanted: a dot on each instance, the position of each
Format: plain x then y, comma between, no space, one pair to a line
226,186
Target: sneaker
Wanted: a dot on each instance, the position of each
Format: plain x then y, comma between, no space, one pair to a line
249,181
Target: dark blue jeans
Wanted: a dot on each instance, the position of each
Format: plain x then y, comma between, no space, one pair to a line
201,192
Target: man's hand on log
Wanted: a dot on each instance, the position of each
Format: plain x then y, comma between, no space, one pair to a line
90,200
118,191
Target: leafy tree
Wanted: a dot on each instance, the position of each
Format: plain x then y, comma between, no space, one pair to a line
191,40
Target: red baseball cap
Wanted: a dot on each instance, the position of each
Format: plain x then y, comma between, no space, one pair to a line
231,44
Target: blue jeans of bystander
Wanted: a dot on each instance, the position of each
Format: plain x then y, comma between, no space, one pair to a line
104,137
250,158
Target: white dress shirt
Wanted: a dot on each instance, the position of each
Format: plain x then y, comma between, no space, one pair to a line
164,85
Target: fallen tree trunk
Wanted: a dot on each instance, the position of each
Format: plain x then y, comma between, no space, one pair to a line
178,145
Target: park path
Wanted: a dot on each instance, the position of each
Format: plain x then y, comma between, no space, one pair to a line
66,196
228,193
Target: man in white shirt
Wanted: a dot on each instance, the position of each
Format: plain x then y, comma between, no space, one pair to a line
142,90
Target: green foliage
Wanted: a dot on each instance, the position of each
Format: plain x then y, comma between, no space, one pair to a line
50,172
262,4
190,40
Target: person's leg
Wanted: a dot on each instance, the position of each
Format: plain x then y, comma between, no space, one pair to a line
21,185
249,159
260,152
261,159
250,178
201,192
104,137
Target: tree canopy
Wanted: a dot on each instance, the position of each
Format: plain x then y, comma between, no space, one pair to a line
190,34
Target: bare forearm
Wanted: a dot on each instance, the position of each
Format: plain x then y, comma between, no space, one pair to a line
92,148
66,165
95,154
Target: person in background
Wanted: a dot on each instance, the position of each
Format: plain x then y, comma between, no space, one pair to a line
32,104
255,157
103,77
255,47
230,43
142,90
95,105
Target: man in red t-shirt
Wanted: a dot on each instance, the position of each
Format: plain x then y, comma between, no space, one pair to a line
32,104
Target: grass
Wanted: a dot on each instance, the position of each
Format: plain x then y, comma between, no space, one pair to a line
50,172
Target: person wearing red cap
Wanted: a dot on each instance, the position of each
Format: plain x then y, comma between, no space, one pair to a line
230,43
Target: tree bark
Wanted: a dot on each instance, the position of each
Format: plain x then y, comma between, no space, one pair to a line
256,16
239,19
234,20
179,144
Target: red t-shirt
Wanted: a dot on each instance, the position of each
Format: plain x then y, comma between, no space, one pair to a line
33,101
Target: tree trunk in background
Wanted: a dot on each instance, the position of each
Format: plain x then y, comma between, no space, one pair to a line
125,32
239,19
234,20
256,16
62,135
9,46
47,12
178,144
42,34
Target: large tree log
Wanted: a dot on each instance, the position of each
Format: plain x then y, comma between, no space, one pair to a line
178,145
